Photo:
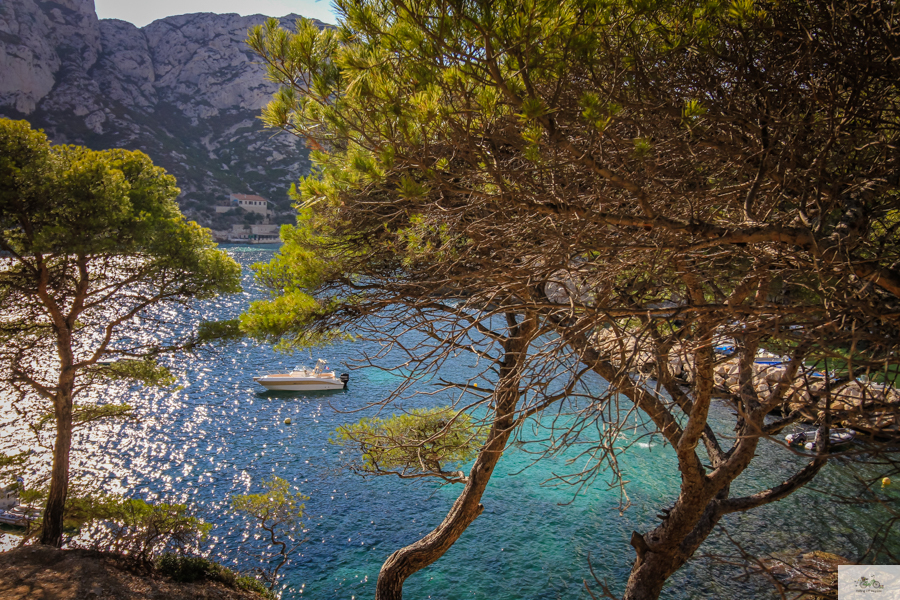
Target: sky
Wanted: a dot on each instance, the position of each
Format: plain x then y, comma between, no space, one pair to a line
146,11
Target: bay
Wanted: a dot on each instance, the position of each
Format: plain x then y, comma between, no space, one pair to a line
220,434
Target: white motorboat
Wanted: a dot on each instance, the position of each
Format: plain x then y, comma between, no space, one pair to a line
303,379
20,515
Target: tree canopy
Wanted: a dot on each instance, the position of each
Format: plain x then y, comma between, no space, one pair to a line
519,180
92,246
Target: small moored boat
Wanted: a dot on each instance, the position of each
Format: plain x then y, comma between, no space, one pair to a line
19,515
836,437
764,357
303,379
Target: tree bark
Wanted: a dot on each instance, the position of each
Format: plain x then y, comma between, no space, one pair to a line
63,401
671,544
54,512
646,581
406,561
705,499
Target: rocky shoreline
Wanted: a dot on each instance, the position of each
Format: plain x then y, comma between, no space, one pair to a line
809,394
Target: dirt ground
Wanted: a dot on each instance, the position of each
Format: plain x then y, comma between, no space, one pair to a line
46,573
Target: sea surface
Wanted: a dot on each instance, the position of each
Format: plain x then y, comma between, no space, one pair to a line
218,434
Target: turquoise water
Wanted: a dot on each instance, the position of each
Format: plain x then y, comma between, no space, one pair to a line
221,435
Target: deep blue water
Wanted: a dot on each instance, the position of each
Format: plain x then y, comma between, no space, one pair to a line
221,435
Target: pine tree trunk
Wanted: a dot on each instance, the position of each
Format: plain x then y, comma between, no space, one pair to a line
647,579
63,401
406,561
54,512
691,520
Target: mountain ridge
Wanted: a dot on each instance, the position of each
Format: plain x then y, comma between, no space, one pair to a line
184,89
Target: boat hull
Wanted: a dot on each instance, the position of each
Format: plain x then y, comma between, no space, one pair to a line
836,437
19,516
283,384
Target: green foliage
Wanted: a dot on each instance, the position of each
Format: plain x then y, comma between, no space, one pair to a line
643,147
126,526
145,371
532,109
111,202
188,569
288,320
423,241
692,111
597,112
84,414
219,331
410,188
277,506
294,317
132,526
429,441
94,241
24,164
32,496
745,12
11,465
392,84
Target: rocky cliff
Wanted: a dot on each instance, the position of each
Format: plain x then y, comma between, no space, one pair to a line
186,90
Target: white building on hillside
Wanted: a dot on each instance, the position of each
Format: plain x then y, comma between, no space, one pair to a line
256,204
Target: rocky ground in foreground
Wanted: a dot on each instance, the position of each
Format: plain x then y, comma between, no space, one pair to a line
46,573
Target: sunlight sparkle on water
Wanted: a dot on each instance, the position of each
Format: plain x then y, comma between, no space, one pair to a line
220,435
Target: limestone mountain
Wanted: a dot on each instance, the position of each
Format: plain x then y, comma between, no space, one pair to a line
186,90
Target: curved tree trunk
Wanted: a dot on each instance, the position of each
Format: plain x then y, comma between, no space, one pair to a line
406,561
63,401
646,581
54,512
704,497
688,524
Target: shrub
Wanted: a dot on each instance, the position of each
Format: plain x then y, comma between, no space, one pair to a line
189,569
131,527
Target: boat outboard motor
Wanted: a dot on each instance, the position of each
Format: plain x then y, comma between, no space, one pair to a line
796,438
345,377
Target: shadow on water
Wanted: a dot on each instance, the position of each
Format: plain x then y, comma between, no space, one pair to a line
301,394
